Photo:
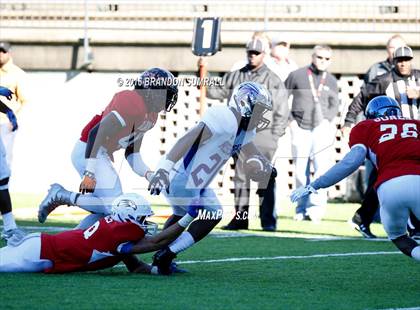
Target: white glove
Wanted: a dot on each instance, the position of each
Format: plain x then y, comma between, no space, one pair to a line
302,192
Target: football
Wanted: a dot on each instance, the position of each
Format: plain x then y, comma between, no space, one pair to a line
253,166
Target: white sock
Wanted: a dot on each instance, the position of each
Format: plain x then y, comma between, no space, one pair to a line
9,221
92,204
415,253
73,197
182,243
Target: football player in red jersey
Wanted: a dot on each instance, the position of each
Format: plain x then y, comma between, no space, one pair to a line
392,143
102,245
122,125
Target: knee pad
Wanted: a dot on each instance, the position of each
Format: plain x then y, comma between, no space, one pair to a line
405,244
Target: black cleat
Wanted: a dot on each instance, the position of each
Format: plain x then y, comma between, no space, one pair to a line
236,224
176,269
413,232
163,260
270,228
357,224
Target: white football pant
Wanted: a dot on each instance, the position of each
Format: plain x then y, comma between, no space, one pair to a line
25,257
397,197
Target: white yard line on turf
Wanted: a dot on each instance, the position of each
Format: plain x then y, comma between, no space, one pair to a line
411,308
244,259
309,237
241,259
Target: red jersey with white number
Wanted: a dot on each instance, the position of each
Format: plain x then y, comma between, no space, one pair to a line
90,249
129,107
393,145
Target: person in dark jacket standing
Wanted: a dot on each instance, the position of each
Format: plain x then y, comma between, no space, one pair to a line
314,106
265,140
403,84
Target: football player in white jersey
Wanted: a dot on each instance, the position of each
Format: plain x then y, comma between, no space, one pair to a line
185,172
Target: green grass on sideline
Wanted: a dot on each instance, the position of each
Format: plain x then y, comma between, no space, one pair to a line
291,269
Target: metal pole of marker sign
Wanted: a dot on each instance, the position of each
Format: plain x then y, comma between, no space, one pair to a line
203,74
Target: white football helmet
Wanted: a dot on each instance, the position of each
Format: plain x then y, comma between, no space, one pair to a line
251,99
133,208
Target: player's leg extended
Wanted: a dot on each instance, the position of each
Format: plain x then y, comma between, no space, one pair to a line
201,227
24,257
397,197
197,230
108,187
108,184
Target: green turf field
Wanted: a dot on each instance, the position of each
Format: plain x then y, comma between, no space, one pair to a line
295,268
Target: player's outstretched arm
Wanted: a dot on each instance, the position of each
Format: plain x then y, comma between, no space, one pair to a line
349,164
192,139
162,239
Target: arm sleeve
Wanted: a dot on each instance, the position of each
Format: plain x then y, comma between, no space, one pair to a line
222,90
343,168
280,110
137,164
333,101
360,102
289,83
355,107
133,156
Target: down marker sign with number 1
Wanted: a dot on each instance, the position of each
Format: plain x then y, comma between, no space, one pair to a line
206,42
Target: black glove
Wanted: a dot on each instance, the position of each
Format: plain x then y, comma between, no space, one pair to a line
159,181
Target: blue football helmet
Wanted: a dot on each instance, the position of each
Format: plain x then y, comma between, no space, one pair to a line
382,106
251,100
157,78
